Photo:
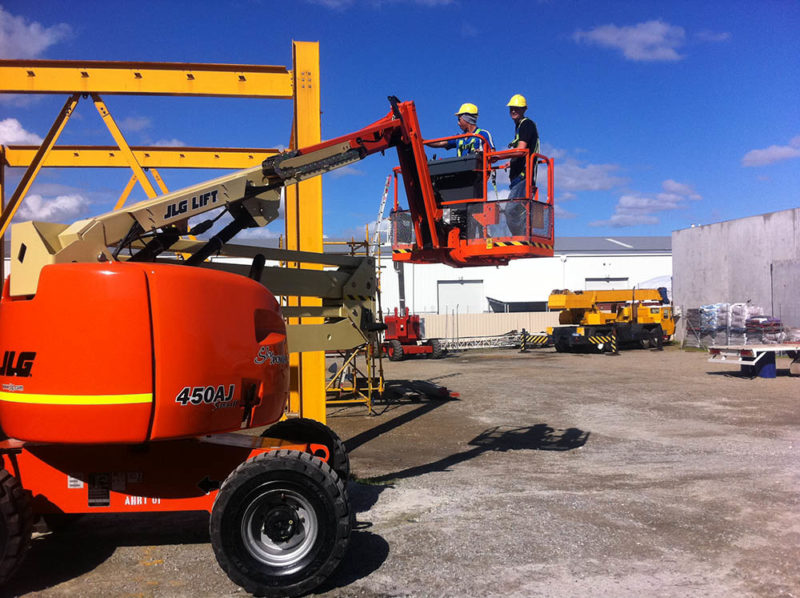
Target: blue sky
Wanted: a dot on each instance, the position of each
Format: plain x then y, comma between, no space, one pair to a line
660,115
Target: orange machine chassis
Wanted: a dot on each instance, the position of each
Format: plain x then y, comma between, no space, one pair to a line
173,475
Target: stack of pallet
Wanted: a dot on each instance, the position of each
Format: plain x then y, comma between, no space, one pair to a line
730,324
764,330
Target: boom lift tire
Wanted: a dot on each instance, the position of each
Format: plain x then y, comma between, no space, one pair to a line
396,352
281,523
16,524
303,429
436,345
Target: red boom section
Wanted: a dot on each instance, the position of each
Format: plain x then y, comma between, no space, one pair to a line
130,352
461,229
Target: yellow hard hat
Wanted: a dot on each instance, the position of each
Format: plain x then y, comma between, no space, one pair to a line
467,109
518,101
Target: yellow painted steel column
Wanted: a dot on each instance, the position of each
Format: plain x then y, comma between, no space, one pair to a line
2,207
159,181
304,224
126,192
123,146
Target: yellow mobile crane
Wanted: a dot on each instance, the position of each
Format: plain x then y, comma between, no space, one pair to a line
591,319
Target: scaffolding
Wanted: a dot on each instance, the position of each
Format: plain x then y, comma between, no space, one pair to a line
355,377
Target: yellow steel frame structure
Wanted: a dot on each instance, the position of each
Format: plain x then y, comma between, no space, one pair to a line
97,78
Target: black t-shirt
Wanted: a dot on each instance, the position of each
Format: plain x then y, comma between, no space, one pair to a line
526,131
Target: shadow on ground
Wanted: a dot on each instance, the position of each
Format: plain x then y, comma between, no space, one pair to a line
86,543
428,395
539,437
779,373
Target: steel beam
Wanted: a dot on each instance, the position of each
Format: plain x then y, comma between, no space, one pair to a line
36,163
145,78
108,156
124,148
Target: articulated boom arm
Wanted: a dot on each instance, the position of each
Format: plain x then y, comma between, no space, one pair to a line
250,196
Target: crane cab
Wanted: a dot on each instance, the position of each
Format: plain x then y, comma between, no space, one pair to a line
477,227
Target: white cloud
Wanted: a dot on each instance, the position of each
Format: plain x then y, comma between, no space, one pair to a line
12,132
572,175
562,213
346,171
169,143
671,186
261,232
772,154
135,123
632,210
63,208
22,39
636,209
712,36
650,41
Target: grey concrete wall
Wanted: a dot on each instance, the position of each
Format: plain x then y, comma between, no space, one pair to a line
754,259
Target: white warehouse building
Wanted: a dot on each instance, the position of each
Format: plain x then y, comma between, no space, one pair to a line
579,263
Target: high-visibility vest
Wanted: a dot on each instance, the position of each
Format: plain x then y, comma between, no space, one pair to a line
468,145
515,142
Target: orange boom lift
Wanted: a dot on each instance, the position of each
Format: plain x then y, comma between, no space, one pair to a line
125,370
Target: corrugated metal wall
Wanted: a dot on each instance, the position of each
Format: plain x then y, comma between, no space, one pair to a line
452,326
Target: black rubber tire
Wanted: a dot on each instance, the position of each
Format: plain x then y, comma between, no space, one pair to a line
561,347
16,525
396,352
303,429
657,337
305,505
438,352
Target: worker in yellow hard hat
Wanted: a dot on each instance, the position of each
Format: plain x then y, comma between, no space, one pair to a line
526,136
468,123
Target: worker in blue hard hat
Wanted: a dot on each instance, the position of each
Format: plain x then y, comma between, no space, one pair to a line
468,123
526,136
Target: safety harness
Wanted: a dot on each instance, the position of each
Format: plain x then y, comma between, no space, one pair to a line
515,143
467,145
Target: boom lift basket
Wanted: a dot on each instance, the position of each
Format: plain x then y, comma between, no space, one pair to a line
479,231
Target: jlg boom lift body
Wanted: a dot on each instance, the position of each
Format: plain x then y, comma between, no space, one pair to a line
125,371
590,320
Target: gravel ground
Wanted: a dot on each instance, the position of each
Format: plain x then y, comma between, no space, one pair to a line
652,473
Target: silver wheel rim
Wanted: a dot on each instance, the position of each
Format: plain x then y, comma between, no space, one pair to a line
287,511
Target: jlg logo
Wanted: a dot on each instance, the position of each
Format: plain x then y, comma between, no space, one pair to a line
22,369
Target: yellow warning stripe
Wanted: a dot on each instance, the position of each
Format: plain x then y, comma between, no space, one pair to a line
521,244
401,251
599,339
134,399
